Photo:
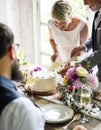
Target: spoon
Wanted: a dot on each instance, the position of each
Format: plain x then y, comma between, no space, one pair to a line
75,118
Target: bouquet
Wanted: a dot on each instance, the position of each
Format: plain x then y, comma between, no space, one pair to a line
74,79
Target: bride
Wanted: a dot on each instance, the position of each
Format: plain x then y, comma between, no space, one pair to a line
65,31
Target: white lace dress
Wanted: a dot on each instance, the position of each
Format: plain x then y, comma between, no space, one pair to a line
65,40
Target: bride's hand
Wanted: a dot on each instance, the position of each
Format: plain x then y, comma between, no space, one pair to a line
53,57
62,71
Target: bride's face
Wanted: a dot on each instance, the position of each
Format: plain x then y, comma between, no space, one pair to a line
61,25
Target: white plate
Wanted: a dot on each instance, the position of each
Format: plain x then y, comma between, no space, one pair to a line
57,113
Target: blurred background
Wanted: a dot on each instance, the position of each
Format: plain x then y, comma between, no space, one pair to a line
28,20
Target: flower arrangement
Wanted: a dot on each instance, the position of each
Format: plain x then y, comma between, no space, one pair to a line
77,76
74,79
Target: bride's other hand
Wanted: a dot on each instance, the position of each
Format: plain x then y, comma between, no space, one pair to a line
62,72
64,69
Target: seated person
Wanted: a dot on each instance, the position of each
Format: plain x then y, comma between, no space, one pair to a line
16,111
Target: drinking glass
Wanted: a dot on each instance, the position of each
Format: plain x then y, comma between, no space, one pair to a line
85,99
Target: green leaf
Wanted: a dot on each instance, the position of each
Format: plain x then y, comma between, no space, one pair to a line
83,79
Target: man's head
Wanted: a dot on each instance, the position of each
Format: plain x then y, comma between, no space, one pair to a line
94,5
8,63
6,39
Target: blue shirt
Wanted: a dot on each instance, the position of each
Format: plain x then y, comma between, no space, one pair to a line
19,113
8,92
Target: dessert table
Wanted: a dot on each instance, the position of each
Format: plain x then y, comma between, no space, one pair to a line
41,101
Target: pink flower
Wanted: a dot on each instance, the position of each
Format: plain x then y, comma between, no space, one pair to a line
77,83
92,80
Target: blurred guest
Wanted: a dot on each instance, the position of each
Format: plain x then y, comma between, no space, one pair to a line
16,111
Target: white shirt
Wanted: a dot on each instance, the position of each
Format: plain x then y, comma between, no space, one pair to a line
21,114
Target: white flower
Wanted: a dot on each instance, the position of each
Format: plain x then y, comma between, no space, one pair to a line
82,72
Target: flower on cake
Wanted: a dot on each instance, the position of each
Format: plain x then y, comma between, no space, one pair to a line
36,69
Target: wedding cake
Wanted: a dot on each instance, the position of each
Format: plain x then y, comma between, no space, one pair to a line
41,79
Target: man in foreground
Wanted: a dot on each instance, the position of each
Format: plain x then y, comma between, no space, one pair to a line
16,111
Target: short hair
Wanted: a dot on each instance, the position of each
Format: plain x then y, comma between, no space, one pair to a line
61,9
6,39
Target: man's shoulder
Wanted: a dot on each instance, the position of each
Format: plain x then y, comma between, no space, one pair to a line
23,103
20,105
19,112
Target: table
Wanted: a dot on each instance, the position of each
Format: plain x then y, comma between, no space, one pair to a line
42,102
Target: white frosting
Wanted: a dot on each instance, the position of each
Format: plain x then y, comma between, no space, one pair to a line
43,73
42,79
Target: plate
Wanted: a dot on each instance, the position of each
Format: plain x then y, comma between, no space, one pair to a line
57,113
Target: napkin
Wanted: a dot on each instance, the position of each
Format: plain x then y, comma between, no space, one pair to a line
98,127
54,66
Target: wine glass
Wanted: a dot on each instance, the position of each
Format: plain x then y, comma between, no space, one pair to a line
85,99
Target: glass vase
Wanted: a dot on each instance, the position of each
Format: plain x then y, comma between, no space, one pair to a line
86,95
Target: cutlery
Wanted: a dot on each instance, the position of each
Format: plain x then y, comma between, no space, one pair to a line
75,118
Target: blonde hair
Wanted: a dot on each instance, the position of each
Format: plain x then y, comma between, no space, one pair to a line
61,10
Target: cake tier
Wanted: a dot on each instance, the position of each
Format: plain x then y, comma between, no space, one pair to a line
41,79
43,84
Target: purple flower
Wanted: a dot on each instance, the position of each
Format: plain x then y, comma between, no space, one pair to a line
36,69
71,74
39,68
